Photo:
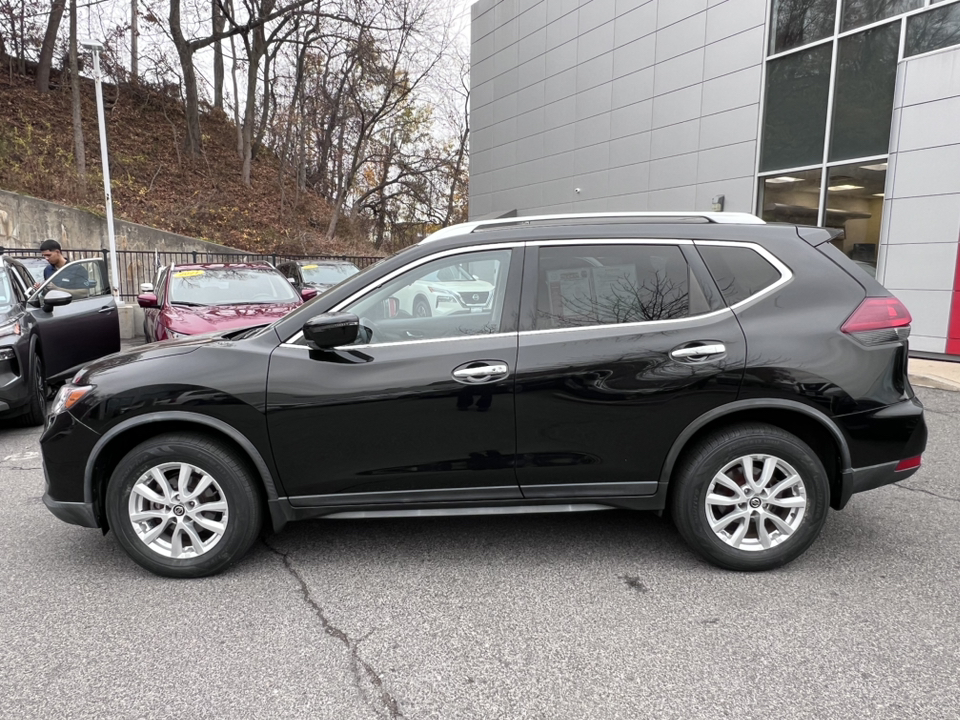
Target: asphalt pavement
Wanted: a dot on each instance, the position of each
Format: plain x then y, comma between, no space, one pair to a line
595,615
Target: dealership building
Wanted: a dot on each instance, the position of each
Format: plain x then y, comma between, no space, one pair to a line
839,113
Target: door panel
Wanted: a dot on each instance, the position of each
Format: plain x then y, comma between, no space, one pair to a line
392,419
404,415
606,379
88,327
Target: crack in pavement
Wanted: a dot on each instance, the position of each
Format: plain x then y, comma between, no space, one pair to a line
361,669
928,492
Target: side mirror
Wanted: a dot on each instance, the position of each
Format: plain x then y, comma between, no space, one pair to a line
56,298
146,287
308,293
147,299
331,330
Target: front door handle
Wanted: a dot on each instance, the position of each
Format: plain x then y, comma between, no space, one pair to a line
107,308
698,352
480,371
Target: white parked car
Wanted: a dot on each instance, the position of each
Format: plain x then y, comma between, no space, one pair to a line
443,292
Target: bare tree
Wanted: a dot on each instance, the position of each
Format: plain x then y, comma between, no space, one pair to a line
134,38
49,41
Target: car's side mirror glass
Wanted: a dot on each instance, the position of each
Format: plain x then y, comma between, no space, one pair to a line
147,300
308,293
331,330
56,298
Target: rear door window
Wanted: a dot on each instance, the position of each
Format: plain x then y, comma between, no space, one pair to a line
585,285
738,271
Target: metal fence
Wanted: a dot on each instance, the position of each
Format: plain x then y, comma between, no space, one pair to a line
140,266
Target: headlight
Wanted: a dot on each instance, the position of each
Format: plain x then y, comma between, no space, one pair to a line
10,329
69,396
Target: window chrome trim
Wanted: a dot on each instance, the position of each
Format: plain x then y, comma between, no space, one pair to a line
653,324
399,271
424,341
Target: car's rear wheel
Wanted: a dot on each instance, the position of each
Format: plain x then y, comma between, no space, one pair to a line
183,505
750,497
36,410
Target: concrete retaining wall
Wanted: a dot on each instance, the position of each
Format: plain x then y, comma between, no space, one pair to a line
25,222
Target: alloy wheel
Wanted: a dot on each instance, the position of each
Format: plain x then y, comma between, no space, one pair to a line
755,502
178,510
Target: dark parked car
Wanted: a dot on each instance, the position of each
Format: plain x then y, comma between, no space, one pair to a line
744,376
319,274
46,335
195,299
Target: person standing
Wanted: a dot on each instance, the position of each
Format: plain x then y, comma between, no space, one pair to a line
53,254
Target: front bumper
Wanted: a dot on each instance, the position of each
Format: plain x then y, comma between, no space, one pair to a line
65,446
75,513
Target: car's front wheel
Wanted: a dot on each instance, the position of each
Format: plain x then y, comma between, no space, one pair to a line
183,505
750,497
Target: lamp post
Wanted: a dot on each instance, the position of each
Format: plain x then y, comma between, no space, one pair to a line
95,49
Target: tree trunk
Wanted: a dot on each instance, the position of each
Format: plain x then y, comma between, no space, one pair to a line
78,149
236,99
193,143
134,37
49,41
219,22
253,63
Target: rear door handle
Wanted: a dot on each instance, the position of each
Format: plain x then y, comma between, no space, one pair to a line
698,352
480,371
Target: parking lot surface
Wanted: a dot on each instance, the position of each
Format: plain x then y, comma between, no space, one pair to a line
593,615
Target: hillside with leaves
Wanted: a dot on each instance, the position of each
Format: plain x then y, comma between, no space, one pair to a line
335,126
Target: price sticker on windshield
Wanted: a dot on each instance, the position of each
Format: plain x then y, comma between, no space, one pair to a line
309,267
188,273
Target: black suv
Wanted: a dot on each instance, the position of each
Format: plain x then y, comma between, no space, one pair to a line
743,376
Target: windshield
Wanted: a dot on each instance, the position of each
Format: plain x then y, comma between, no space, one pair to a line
327,274
230,286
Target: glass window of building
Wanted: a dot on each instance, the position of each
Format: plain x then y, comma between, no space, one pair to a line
857,13
798,22
863,94
795,118
855,205
791,198
933,30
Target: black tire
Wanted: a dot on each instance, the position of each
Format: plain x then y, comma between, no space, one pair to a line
36,411
233,484
702,464
421,308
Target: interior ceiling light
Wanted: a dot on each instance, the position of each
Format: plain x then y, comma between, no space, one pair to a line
782,179
878,167
837,188
878,195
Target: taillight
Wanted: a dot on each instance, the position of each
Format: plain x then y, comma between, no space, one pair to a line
879,320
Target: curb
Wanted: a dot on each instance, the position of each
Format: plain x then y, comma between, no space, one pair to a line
931,381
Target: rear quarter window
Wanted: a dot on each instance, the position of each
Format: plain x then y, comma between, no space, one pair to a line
738,271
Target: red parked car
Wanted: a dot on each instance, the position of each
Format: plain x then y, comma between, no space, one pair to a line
194,299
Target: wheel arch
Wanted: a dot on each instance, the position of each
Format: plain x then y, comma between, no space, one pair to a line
812,426
116,442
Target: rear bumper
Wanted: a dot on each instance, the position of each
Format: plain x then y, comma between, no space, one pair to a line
900,429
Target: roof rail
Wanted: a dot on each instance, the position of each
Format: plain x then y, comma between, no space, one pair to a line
738,218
